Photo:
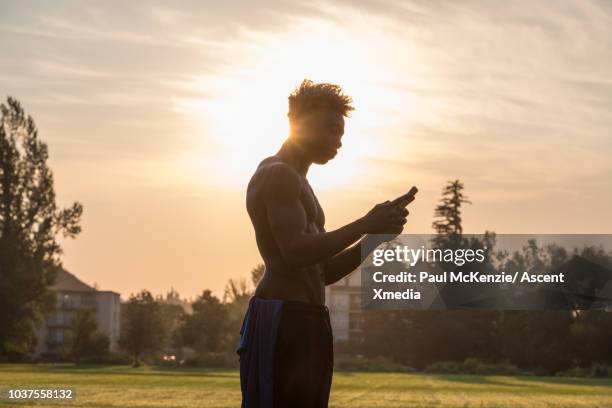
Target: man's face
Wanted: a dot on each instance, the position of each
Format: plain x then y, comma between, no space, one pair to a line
320,135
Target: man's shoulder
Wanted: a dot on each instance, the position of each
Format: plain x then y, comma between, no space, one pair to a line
273,176
277,171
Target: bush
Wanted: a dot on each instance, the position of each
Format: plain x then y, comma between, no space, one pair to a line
214,360
113,358
600,370
574,372
444,367
596,370
361,363
473,366
108,358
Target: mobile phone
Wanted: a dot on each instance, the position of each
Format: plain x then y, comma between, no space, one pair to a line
405,199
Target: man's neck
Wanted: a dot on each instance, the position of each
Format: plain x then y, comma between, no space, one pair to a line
291,154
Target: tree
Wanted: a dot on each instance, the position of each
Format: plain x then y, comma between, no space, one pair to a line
473,332
448,213
236,290
537,339
142,329
30,223
205,330
171,309
84,340
590,337
557,339
257,274
236,300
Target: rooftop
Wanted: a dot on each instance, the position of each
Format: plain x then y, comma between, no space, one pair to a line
67,282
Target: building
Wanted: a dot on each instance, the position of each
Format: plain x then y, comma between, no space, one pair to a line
73,295
343,299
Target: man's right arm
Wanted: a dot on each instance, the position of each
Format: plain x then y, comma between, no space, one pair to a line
288,221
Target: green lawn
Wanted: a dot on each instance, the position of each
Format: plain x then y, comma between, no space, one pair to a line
120,386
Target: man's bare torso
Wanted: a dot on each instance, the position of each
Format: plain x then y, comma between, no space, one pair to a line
281,281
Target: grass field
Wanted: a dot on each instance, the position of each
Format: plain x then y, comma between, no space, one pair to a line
121,386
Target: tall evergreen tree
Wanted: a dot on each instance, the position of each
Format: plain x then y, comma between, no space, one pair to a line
473,331
447,224
30,223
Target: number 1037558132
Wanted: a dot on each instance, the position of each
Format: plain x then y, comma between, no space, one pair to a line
35,394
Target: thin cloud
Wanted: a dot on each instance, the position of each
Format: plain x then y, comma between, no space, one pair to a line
513,98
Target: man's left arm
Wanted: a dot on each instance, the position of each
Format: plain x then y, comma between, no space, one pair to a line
348,260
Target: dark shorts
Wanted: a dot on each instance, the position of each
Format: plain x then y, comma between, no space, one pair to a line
286,355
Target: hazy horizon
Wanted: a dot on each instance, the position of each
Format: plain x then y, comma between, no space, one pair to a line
156,116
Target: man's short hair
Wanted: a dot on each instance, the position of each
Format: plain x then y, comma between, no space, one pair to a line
311,96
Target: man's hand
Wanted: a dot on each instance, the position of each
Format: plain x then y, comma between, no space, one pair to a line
385,218
381,224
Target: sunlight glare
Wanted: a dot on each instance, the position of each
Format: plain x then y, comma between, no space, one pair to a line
244,108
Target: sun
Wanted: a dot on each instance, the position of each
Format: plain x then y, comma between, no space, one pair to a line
243,115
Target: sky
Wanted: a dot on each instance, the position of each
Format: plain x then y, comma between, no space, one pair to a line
156,114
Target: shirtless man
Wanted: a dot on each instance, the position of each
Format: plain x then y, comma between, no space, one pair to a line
286,354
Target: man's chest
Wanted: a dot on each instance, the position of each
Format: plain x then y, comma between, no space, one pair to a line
314,211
